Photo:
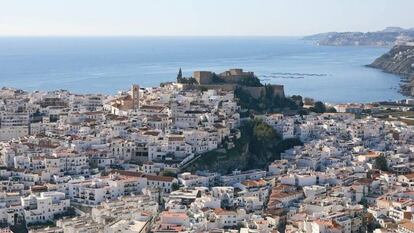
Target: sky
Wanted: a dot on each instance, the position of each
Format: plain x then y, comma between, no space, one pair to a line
199,17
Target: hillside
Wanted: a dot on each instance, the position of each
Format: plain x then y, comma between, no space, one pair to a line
386,37
257,147
399,60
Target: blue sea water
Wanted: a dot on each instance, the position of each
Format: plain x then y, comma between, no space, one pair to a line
109,64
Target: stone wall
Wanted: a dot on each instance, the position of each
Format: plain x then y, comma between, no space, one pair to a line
203,77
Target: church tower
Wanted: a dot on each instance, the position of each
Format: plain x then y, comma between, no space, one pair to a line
135,96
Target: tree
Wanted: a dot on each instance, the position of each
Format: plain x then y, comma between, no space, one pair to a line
168,173
250,81
331,110
318,107
303,112
298,100
262,140
381,163
180,74
189,80
263,132
287,144
175,186
183,80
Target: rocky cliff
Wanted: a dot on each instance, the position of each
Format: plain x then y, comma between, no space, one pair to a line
399,60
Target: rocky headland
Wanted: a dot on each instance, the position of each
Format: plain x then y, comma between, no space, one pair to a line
387,37
399,60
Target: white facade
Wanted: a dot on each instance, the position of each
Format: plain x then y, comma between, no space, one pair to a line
43,208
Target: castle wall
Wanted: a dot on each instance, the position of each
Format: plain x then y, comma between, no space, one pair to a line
232,77
203,77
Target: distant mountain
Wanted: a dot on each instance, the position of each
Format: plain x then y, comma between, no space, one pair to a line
399,60
320,36
387,37
393,29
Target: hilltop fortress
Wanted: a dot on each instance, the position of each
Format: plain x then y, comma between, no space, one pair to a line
232,79
230,76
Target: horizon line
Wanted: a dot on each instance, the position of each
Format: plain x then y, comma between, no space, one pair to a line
189,35
4,36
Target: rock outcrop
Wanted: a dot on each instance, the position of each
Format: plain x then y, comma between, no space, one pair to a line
399,60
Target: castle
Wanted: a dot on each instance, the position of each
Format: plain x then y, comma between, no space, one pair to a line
229,76
230,80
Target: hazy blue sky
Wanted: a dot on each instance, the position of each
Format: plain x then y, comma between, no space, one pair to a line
200,17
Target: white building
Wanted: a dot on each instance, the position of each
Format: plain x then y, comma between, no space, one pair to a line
43,208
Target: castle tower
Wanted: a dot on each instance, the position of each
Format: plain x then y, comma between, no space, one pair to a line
135,96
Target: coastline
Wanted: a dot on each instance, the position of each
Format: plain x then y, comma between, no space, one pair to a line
113,63
398,61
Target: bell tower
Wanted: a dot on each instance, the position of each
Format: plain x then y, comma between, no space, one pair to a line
135,96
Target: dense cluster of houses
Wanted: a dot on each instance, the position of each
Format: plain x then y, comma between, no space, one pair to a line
60,149
75,163
335,182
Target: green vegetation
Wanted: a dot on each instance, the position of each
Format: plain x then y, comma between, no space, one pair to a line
250,82
298,100
268,101
190,80
262,132
183,80
265,145
175,186
331,110
258,146
381,163
216,79
168,173
320,107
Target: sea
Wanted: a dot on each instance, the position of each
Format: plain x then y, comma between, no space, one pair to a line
109,64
